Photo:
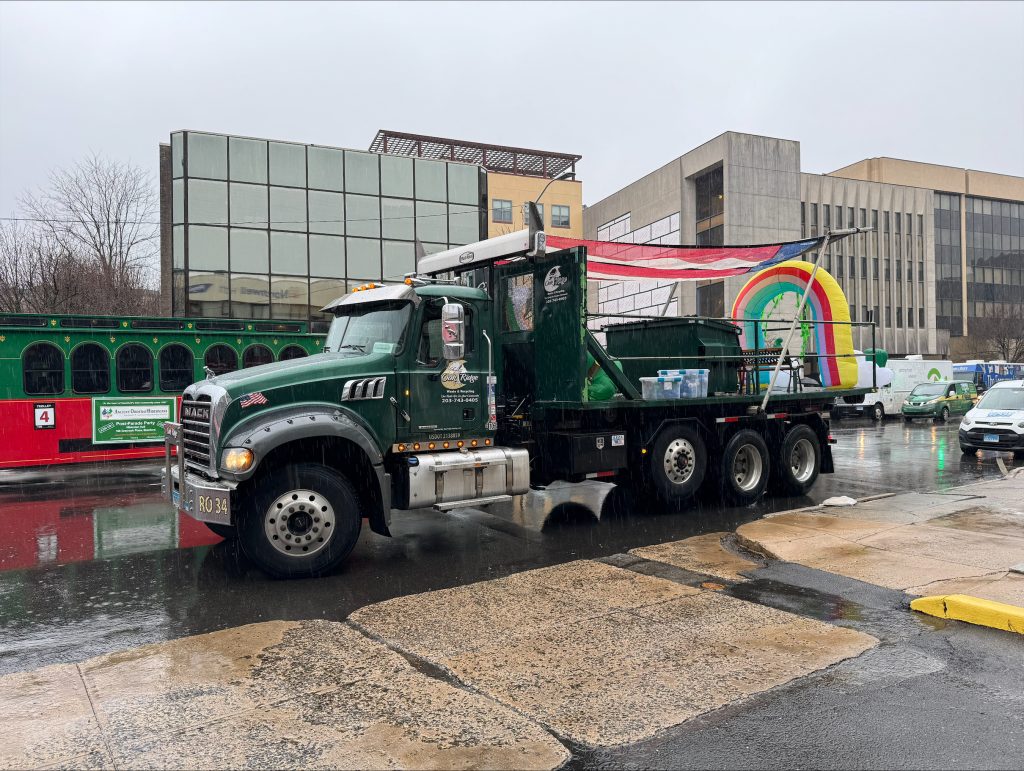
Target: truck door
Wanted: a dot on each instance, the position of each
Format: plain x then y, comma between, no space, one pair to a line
447,399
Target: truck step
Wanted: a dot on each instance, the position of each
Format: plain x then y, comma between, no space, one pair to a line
472,503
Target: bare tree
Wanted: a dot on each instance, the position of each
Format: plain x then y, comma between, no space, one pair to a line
1002,335
37,275
104,214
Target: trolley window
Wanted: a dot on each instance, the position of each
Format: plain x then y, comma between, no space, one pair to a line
90,369
221,358
42,367
292,352
134,369
176,368
255,355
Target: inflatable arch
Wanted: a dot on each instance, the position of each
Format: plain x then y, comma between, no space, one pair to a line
826,302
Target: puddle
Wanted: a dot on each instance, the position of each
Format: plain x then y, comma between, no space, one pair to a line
805,602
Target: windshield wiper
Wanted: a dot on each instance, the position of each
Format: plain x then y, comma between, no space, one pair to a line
358,346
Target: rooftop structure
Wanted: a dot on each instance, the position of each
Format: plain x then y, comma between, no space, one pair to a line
497,158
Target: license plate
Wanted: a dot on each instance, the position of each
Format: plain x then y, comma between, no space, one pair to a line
993,438
212,506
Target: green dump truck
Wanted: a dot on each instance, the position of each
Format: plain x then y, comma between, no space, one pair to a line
469,383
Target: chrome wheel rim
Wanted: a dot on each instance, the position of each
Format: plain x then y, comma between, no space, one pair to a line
299,523
680,461
801,460
747,468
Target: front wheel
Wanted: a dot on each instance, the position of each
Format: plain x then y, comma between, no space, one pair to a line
878,412
300,520
744,468
907,419
968,450
944,416
797,462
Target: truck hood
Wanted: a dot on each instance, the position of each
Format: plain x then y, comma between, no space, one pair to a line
321,366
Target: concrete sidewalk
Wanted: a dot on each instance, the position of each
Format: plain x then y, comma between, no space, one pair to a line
499,674
962,542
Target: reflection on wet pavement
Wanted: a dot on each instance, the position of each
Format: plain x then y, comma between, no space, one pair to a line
93,560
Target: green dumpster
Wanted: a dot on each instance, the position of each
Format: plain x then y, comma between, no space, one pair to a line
687,342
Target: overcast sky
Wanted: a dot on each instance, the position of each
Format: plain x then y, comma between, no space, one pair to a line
628,86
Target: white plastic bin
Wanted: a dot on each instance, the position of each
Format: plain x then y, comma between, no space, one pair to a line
695,382
661,387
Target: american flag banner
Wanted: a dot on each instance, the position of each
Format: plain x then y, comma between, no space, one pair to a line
253,399
614,260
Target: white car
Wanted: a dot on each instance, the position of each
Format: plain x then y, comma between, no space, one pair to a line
997,423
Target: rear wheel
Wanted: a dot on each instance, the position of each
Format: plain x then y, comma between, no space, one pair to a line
677,463
744,467
878,411
797,462
300,520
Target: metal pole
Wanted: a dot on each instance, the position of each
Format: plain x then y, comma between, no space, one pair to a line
796,320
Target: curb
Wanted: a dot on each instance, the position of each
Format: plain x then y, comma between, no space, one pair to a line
972,610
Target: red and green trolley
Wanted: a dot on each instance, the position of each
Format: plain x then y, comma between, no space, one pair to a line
83,389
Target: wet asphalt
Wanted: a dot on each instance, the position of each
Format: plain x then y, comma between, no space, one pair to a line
92,560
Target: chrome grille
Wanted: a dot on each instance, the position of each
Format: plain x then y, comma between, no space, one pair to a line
195,423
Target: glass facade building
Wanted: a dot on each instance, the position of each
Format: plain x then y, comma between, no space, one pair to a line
276,230
995,258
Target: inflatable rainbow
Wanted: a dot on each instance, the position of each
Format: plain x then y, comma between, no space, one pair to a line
827,303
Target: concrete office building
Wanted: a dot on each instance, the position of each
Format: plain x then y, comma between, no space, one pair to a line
256,228
514,176
746,189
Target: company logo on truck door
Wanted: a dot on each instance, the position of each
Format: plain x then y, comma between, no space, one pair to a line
455,375
554,280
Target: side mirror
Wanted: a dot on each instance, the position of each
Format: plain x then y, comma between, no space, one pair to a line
453,331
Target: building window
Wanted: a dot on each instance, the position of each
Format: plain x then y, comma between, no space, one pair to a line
849,217
710,208
42,366
920,318
814,219
899,317
711,300
90,369
501,210
853,267
559,216
826,213
803,219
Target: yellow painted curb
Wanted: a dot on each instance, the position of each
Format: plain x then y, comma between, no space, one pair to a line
973,610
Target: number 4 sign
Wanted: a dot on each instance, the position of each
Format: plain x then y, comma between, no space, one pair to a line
44,415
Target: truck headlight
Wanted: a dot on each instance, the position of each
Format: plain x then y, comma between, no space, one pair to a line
966,421
236,460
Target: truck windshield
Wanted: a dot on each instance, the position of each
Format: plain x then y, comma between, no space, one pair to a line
1003,399
930,389
364,329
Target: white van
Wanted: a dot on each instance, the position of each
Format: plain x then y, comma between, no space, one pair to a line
888,400
997,423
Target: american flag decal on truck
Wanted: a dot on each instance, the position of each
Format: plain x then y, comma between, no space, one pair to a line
252,400
364,388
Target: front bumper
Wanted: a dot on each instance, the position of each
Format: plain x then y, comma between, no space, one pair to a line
921,410
980,437
203,499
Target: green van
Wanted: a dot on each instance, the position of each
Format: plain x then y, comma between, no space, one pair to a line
940,399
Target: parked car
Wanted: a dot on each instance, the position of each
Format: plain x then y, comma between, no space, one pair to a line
997,423
940,400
